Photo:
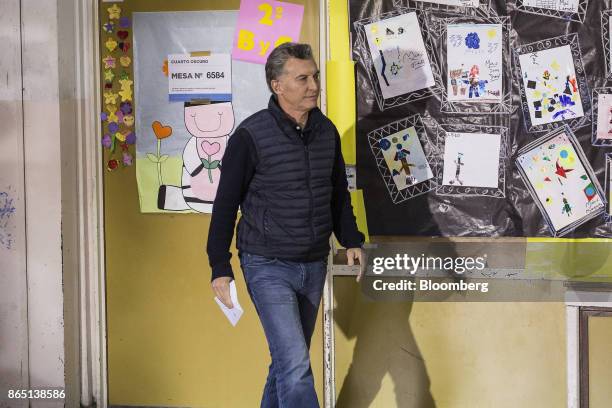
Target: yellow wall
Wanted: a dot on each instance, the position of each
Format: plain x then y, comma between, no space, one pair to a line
447,355
600,361
168,343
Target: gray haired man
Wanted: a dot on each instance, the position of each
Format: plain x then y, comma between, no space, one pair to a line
283,167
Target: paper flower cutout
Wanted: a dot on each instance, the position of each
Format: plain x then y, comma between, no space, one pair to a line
126,95
109,27
126,107
123,34
107,141
120,136
125,83
113,127
124,75
125,61
127,159
108,75
112,117
110,98
114,12
130,138
103,116
109,62
110,45
124,22
111,110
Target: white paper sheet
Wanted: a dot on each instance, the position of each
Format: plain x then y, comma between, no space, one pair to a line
471,159
560,5
474,62
233,314
551,86
464,3
399,55
560,181
604,117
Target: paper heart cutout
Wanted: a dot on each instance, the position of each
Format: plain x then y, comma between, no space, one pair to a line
210,148
122,34
160,130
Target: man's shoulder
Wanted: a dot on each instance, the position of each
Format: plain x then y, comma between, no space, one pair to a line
324,122
255,118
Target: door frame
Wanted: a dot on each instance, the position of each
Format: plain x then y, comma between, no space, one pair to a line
93,381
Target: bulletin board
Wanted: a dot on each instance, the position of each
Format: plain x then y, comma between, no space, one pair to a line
504,108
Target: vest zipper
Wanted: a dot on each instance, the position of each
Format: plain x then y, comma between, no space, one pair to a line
310,204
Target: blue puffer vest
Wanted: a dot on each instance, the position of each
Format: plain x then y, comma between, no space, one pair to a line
286,212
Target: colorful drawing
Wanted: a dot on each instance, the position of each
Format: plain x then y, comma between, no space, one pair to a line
471,159
603,130
161,132
405,158
561,181
550,85
461,3
559,5
474,60
209,125
609,186
400,58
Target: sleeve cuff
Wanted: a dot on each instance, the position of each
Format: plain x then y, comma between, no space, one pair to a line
355,241
222,269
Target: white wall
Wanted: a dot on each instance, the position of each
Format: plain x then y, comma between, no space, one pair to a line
31,271
13,295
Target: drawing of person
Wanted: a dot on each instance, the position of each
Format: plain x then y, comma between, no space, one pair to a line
401,155
567,208
454,74
474,82
464,81
209,124
546,76
459,163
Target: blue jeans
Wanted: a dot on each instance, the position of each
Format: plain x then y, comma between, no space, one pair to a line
286,295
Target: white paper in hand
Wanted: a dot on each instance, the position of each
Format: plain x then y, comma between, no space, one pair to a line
233,314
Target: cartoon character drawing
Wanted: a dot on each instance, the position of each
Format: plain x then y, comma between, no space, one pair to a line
209,125
476,86
459,163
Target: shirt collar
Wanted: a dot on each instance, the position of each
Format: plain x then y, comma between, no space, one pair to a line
282,117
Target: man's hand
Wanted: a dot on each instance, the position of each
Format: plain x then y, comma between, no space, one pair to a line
353,254
221,288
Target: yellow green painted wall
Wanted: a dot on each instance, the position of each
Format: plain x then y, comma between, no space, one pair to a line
168,343
447,355
600,361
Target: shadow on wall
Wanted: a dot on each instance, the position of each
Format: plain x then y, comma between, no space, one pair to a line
384,345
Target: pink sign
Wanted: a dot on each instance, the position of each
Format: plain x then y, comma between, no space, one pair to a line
262,26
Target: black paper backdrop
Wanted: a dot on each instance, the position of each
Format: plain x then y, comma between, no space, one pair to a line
517,213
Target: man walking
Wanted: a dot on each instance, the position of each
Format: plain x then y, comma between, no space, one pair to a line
283,167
